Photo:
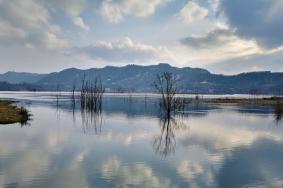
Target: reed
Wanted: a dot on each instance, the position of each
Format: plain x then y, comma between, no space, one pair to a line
91,95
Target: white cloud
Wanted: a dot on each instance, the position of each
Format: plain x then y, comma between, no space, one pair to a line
214,4
26,14
52,41
73,8
115,11
267,61
111,13
192,12
27,23
78,21
125,51
217,45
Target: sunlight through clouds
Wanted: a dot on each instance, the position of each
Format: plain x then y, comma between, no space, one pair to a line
98,33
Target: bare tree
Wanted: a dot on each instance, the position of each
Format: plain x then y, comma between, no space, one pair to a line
91,95
73,90
58,94
278,111
255,92
166,86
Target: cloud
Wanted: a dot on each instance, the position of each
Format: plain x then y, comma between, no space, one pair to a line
213,38
24,14
51,41
192,12
7,31
78,21
123,51
258,20
218,45
270,61
115,11
73,8
214,4
27,23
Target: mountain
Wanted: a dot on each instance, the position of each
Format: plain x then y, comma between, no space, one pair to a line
5,86
140,79
22,77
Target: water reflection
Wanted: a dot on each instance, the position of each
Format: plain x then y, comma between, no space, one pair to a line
91,121
205,146
278,112
257,165
165,143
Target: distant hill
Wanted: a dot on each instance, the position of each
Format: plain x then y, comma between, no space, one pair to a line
20,77
140,79
5,86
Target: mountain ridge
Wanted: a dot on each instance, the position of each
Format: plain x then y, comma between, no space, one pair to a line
140,79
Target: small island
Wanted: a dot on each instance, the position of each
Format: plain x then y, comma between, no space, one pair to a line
10,113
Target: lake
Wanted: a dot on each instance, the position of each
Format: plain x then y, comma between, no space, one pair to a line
129,144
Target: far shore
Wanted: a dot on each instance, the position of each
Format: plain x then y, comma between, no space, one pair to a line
256,101
188,98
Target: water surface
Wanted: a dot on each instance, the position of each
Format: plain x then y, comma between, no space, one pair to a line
129,144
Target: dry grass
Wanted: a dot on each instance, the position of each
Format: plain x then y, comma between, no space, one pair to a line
12,114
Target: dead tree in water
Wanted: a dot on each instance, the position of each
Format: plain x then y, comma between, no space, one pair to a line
73,91
166,86
91,95
58,95
278,111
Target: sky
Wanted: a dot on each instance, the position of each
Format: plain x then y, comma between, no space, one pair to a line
223,36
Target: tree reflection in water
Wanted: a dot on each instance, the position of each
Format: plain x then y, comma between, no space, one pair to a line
165,143
278,112
91,121
166,86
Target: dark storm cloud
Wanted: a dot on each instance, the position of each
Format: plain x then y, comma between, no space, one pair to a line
260,20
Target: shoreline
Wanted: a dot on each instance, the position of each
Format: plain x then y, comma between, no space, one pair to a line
256,101
10,114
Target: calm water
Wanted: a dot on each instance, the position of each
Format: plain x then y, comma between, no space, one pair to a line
128,144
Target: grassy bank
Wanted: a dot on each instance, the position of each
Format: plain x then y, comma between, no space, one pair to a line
12,114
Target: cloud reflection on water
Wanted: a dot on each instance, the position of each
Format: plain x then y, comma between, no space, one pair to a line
55,152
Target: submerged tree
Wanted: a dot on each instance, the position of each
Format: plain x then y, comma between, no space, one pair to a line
91,105
74,87
91,95
58,94
278,111
166,86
